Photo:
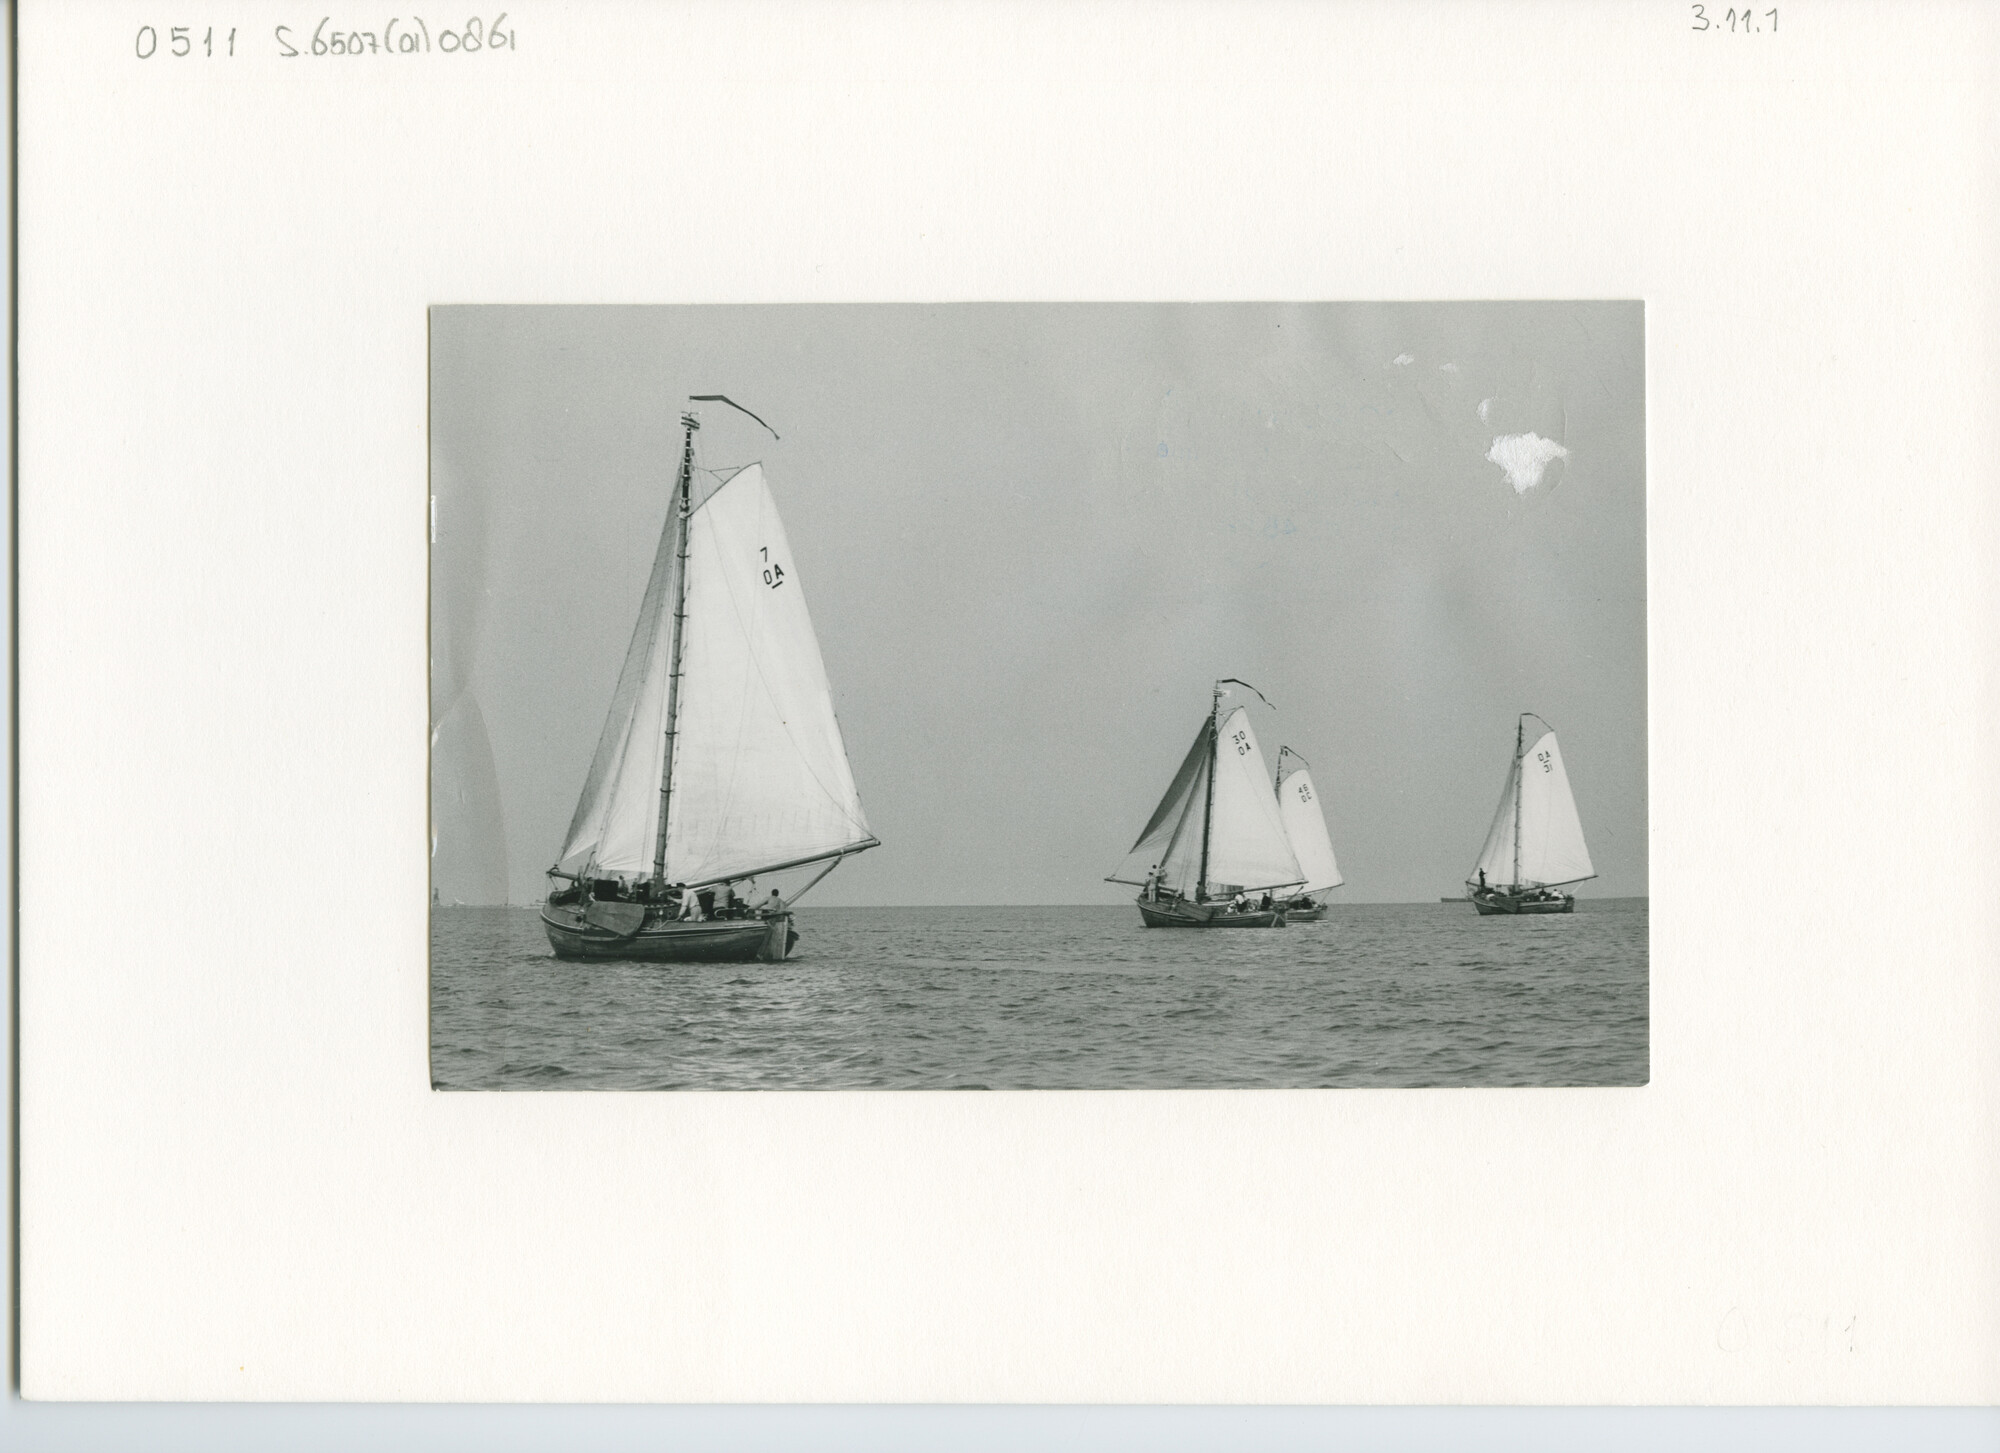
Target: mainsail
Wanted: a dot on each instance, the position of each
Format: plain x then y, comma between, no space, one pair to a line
760,775
1216,807
1305,826
1247,843
1536,839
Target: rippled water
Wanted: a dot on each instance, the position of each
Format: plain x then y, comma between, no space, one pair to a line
1057,998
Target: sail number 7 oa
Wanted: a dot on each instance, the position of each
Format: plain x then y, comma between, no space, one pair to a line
774,573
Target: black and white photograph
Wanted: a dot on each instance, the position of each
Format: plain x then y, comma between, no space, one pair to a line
906,697
1328,603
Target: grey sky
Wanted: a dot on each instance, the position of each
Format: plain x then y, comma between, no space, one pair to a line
1032,535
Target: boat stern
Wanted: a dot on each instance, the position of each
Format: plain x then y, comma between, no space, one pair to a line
779,937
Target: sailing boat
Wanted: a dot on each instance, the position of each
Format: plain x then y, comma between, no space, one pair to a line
1305,827
1216,836
1535,847
720,758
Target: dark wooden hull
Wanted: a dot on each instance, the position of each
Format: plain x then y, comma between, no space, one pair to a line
720,940
1295,914
1492,903
1172,913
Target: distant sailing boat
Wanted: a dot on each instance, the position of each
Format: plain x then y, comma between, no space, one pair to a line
1535,846
720,758
1216,836
1305,827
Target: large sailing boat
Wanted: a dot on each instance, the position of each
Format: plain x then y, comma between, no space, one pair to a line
721,758
1216,838
1535,847
1305,828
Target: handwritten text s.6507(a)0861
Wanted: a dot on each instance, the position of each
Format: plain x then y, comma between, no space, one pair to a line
399,37
411,36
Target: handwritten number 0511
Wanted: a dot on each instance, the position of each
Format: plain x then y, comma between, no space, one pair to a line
146,41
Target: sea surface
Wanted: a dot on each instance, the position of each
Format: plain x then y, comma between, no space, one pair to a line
1057,998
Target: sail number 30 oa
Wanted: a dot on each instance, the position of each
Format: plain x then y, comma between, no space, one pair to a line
774,573
1241,741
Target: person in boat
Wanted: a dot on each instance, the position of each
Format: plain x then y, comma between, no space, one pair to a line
774,905
1238,903
1151,891
1265,903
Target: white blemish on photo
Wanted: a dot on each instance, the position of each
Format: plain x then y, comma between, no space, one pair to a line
1524,457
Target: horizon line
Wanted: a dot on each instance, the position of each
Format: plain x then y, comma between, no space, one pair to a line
1350,903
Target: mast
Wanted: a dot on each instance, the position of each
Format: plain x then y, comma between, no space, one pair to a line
1208,804
1518,723
683,488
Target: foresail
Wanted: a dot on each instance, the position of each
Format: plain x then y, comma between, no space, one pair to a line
1305,825
1496,859
761,776
1156,843
617,815
1552,847
1247,846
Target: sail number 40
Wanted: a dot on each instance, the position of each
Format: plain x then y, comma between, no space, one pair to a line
774,573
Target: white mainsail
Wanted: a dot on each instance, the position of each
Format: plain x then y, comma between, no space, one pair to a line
1550,836
1247,846
1305,826
760,775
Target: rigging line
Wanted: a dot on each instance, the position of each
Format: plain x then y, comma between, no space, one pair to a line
725,399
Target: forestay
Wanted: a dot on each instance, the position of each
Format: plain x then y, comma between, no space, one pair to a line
1247,846
1552,850
1305,826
